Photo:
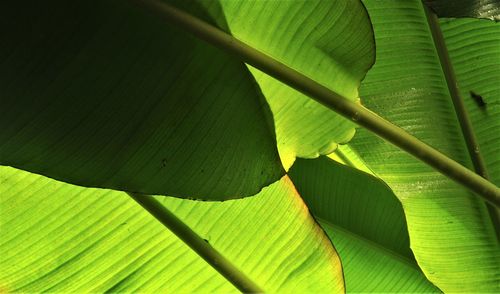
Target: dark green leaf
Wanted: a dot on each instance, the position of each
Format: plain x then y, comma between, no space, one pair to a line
101,94
489,9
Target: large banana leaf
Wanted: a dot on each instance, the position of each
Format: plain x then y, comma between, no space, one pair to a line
56,237
476,61
468,229
451,232
93,102
366,223
329,41
100,94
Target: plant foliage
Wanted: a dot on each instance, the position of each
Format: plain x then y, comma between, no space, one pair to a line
103,94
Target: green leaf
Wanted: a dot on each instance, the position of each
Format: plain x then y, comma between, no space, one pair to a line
450,230
57,237
329,41
101,94
366,223
336,102
478,83
474,46
489,9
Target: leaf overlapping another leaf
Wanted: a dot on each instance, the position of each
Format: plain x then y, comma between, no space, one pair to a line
329,41
340,104
450,230
461,219
365,222
100,94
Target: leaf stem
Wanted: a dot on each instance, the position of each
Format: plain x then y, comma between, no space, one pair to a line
460,109
198,244
356,113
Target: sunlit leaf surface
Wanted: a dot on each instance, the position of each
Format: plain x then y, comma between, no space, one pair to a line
451,232
56,237
366,223
474,47
329,41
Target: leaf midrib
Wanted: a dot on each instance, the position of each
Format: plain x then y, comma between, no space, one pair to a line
373,244
466,126
336,102
213,257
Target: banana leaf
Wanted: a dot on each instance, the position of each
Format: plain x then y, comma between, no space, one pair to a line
365,222
451,232
58,237
329,41
100,94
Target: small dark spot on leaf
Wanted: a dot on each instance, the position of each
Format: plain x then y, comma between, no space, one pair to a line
122,224
206,241
478,98
202,170
164,162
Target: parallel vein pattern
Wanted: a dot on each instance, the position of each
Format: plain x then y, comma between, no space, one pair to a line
56,237
474,47
329,41
101,94
368,268
365,222
450,230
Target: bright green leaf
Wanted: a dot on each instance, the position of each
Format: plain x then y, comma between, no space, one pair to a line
474,47
101,94
56,237
329,41
366,223
450,230
346,156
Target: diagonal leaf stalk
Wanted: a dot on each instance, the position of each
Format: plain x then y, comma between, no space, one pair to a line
356,113
198,244
458,103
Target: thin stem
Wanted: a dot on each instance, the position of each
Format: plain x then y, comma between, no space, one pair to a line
358,114
462,114
198,244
